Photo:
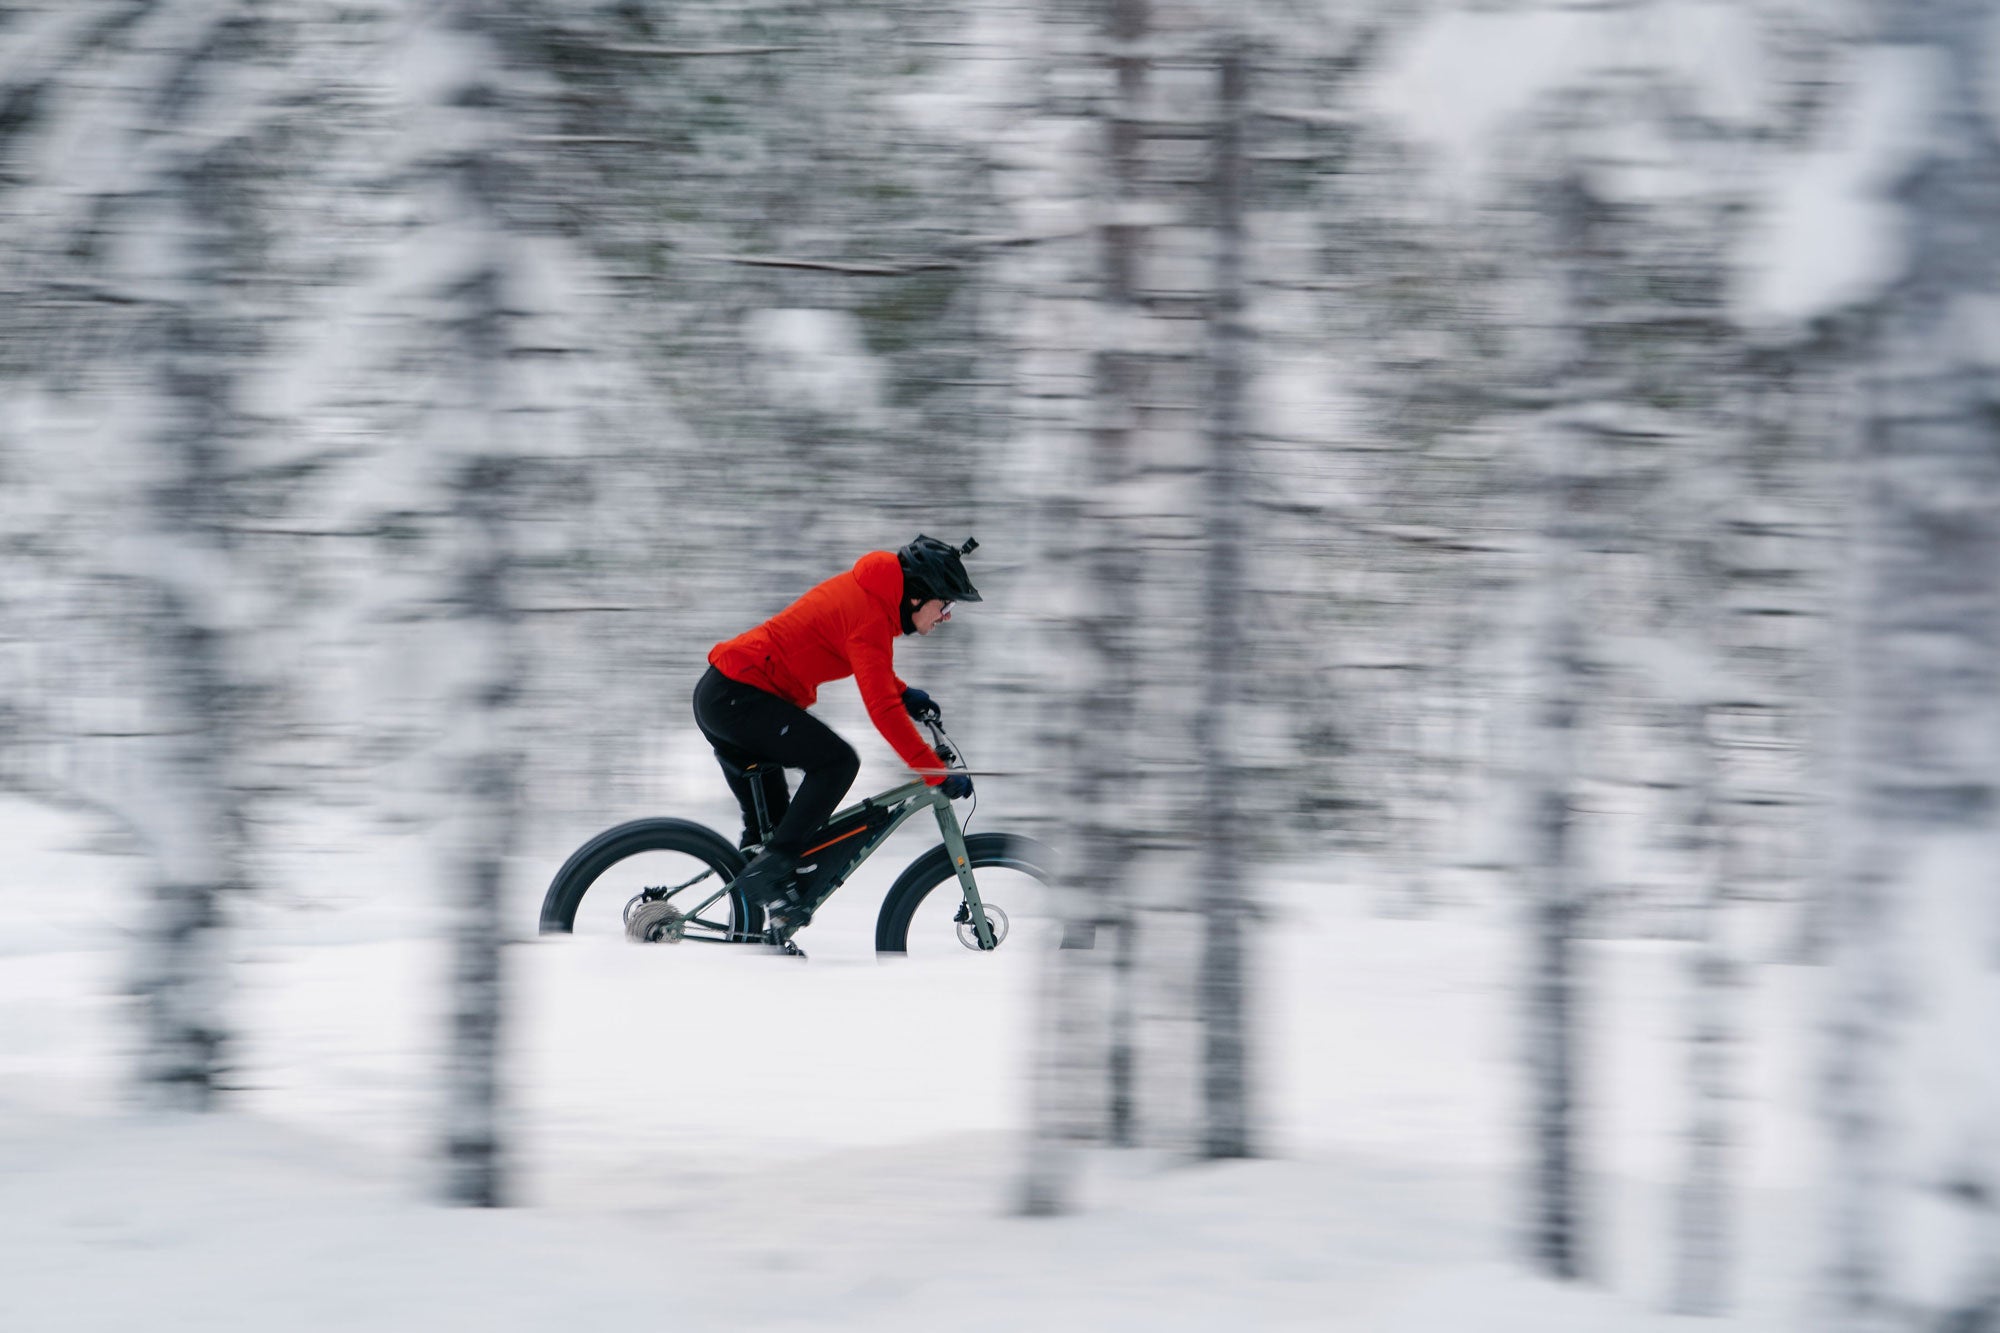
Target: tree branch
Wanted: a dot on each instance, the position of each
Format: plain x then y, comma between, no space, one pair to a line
836,266
693,52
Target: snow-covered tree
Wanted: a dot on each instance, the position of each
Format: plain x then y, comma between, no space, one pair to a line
145,148
1153,523
1103,572
493,297
1912,924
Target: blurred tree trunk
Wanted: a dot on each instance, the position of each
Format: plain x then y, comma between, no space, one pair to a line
1158,538
182,981
464,126
1113,568
485,759
181,253
1556,880
1556,889
151,280
1227,1120
1053,285
1105,568
1914,925
1755,615
1704,1234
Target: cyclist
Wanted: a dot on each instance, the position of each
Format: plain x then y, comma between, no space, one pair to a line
751,702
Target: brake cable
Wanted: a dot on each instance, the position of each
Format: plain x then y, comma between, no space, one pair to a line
937,726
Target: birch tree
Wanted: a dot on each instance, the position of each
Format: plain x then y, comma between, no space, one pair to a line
169,173
1098,839
181,227
473,279
1754,533
1919,794
1227,1114
1045,134
1555,889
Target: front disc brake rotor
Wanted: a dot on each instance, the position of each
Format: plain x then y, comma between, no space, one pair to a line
968,933
655,923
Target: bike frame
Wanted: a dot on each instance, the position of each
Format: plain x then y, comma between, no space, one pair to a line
904,802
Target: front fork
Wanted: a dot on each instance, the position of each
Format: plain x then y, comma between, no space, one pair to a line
954,846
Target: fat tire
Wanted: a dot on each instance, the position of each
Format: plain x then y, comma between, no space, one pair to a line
589,862
1009,851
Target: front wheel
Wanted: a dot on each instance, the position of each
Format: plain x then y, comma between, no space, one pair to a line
683,864
1014,874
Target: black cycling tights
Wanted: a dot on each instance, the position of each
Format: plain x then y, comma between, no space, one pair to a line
748,726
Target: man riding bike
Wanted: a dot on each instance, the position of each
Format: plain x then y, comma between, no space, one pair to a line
751,702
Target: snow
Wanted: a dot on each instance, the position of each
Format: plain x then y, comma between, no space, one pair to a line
1297,398
707,1139
1463,82
816,357
1464,85
1450,94
1715,50
1828,235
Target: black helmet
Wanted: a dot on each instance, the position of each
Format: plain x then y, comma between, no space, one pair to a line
932,568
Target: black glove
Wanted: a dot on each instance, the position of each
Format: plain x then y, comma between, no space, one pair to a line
921,706
957,786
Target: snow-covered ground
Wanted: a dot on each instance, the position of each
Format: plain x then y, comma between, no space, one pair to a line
707,1139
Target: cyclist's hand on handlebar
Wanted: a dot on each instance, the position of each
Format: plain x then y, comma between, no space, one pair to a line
957,786
921,706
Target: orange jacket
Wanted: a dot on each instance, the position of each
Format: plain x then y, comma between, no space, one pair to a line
847,626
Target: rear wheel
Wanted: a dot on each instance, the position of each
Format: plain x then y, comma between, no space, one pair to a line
924,912
613,877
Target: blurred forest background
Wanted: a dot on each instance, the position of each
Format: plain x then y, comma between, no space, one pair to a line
1546,454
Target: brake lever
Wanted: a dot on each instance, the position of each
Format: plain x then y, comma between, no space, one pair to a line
939,745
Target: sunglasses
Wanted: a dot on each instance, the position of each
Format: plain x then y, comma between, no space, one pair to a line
944,613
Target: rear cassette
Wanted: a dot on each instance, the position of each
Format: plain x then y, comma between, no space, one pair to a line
652,921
